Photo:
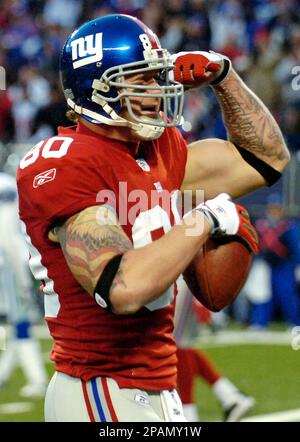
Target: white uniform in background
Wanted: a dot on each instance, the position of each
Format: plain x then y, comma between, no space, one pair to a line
16,297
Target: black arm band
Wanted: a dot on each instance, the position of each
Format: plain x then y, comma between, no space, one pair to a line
270,174
101,293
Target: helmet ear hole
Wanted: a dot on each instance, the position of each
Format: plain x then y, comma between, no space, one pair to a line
89,93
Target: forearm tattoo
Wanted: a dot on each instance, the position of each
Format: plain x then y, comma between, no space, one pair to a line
248,122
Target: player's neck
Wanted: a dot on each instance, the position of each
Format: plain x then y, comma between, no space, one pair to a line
114,133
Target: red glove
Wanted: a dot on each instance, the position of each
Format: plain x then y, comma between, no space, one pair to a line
246,231
199,68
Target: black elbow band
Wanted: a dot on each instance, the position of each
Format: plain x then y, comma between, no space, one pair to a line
270,174
101,292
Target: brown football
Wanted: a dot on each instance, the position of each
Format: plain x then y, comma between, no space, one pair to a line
219,271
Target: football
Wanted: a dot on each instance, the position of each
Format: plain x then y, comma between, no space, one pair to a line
219,271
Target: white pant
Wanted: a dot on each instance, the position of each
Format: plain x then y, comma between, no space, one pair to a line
70,399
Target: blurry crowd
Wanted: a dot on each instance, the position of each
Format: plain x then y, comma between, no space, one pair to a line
262,37
273,287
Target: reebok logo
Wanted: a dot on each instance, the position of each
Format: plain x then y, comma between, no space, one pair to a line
44,177
142,399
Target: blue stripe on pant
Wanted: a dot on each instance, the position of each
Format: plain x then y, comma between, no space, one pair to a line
97,400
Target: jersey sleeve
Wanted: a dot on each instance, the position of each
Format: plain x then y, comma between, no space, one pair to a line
76,190
57,193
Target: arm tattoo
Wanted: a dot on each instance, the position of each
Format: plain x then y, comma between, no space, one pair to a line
249,123
119,278
89,240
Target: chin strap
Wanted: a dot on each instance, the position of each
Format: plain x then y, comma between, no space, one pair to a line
145,131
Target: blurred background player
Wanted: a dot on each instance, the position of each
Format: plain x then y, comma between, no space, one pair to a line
194,364
16,294
280,248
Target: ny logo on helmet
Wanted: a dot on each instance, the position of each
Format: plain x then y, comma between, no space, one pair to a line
86,50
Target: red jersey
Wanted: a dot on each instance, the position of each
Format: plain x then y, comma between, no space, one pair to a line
62,176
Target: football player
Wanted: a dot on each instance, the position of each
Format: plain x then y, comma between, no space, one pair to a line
15,292
99,204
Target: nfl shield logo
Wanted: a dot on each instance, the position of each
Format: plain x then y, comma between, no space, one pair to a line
143,164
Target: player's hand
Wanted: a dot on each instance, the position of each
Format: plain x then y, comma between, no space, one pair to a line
200,68
227,218
222,214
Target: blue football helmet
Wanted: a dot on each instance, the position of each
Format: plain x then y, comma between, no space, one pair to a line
97,60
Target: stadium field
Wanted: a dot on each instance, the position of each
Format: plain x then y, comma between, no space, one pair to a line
267,371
